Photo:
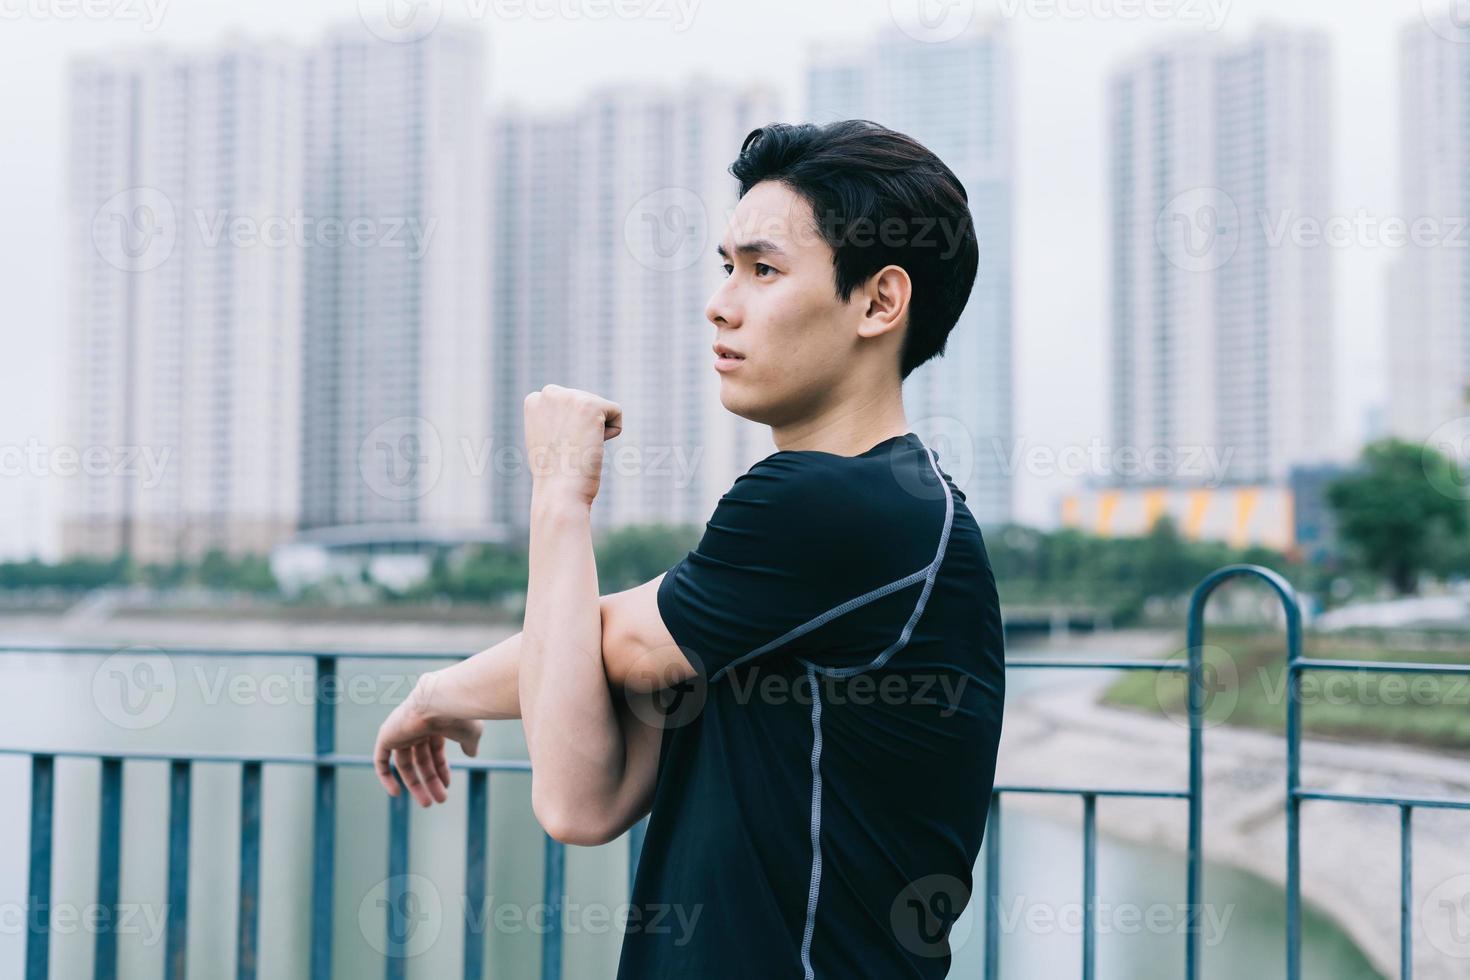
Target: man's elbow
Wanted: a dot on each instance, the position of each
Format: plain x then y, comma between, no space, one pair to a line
571,822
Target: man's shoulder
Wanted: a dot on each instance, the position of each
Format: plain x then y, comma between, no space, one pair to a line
894,480
835,512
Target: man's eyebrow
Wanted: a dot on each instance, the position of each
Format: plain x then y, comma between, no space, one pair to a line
759,246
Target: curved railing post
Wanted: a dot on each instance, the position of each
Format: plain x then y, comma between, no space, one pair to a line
1292,607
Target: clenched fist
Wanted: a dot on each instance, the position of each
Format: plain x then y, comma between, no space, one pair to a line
565,430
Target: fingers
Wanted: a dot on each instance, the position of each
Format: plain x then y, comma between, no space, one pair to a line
423,760
441,761
612,412
468,736
381,765
408,770
612,419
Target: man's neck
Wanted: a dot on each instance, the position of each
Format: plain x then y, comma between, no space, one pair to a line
845,432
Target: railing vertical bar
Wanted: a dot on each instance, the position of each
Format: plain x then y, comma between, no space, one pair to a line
992,890
38,876
474,875
109,862
178,871
1406,891
1293,819
1194,870
248,912
396,942
555,881
1089,886
324,828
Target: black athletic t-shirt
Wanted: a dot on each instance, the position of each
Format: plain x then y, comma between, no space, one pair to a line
822,790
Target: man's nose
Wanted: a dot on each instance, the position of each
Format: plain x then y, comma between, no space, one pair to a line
721,308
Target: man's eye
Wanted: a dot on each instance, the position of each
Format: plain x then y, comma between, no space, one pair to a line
759,266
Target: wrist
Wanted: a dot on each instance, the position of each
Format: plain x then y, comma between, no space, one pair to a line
427,698
550,503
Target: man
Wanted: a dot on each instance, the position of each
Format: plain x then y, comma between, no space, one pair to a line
810,701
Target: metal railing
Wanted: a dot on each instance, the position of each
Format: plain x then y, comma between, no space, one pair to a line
1296,666
327,761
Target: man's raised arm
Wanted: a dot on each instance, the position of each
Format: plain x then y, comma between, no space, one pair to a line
594,755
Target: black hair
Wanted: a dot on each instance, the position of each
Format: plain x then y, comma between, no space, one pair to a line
878,198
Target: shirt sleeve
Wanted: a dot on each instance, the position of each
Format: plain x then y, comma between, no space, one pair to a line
785,553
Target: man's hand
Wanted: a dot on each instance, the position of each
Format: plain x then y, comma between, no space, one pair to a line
413,736
565,430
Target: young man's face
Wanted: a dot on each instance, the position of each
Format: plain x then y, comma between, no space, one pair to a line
778,307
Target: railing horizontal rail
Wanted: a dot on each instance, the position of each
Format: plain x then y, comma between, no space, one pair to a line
270,759
1380,666
190,651
1078,664
1159,794
1428,802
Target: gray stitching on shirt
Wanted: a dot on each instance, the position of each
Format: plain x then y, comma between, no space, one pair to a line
908,627
926,574
814,888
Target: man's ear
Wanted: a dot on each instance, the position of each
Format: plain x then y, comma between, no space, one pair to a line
887,294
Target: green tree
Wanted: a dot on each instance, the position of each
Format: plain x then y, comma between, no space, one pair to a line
1402,510
491,571
630,556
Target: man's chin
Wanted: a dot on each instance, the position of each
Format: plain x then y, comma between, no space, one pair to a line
736,404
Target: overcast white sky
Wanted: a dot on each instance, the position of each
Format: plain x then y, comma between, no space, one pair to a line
1063,50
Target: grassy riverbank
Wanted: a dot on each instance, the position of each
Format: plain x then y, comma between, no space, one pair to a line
1246,686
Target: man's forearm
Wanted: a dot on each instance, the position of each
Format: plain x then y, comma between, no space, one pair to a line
485,687
572,729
